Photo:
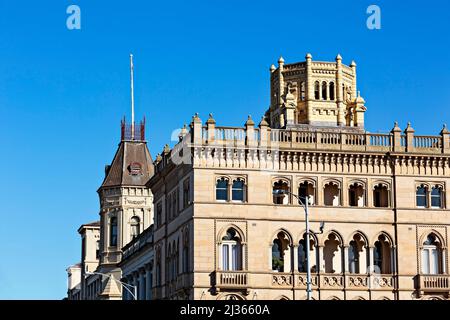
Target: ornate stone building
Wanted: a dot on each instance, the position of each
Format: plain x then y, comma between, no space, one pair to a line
223,230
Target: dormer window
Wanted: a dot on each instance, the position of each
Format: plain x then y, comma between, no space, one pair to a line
135,168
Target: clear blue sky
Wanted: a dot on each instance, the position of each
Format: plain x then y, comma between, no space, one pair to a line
63,93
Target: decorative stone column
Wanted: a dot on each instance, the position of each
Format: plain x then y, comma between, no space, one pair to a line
354,88
263,133
346,261
280,81
445,134
309,88
339,93
363,260
135,282
250,132
397,138
211,129
148,278
409,132
321,267
196,126
371,261
295,257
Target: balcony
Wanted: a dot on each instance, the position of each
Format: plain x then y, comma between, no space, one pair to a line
434,283
234,280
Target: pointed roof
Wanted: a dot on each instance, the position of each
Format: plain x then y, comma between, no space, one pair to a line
132,165
111,288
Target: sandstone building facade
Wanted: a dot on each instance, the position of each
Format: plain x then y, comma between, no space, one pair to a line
221,230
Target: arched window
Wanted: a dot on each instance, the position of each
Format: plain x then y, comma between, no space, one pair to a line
113,232
332,254
135,227
356,255
280,192
324,91
302,256
177,259
356,195
185,258
332,194
237,190
97,249
421,196
382,255
281,253
306,191
231,251
436,197
332,91
380,196
432,256
302,91
169,263
222,189
158,267
317,90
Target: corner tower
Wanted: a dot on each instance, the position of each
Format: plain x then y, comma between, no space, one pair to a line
315,93
126,204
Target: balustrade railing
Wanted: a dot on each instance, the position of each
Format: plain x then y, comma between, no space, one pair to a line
434,282
231,279
323,139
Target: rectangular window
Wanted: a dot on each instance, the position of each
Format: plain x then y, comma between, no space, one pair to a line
222,191
236,258
434,263
175,203
421,197
435,201
97,251
225,258
377,199
237,189
425,262
352,198
186,193
158,221
185,259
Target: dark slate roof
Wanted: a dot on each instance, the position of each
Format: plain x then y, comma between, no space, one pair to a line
90,224
120,174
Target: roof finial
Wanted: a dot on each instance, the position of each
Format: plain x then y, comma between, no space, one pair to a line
132,95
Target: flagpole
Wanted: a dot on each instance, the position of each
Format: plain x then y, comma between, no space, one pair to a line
132,96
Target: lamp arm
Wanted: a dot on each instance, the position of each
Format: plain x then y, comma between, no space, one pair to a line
125,285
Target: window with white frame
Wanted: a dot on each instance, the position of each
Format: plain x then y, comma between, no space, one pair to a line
238,190
422,196
231,253
222,189
135,227
113,232
436,197
431,255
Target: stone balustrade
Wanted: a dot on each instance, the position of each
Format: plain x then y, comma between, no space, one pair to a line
339,139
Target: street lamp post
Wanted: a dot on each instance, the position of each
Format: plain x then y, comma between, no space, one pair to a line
125,285
322,224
